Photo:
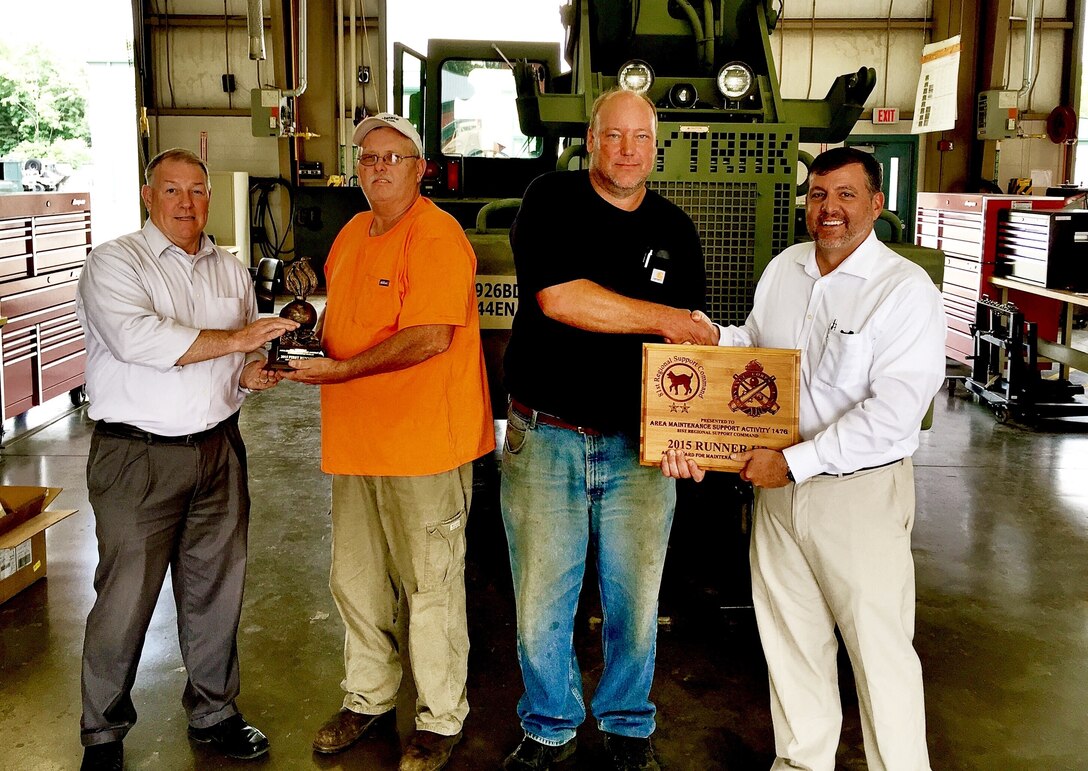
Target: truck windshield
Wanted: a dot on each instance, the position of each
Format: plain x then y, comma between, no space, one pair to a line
479,115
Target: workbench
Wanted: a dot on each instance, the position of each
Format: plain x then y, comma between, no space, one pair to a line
1005,367
1060,350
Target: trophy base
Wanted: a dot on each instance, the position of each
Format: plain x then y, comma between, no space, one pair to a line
278,357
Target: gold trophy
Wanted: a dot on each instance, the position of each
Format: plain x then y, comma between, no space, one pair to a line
300,280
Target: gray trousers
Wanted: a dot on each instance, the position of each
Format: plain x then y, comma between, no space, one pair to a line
156,505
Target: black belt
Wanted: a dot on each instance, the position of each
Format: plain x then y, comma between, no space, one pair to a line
125,431
867,468
551,420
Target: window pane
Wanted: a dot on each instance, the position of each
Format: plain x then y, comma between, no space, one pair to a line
479,114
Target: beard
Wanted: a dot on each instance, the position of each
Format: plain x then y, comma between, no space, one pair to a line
616,187
849,234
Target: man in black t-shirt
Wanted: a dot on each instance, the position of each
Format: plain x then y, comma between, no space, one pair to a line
603,265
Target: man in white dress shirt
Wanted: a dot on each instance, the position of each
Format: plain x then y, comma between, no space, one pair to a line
173,346
834,512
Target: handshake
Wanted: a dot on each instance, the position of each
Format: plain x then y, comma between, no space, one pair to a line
694,328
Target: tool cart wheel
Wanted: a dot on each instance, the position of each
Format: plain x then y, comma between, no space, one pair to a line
1002,413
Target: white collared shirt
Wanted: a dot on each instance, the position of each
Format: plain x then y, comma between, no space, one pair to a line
871,335
142,302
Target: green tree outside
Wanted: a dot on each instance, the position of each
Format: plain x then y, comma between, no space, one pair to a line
43,111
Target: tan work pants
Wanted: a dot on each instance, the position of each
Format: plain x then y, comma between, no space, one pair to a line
836,551
398,549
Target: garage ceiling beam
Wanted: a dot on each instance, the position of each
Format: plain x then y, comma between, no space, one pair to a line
839,24
199,20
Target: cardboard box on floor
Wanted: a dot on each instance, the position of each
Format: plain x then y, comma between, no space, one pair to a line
22,535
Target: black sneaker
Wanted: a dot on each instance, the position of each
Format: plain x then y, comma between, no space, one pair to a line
531,755
630,753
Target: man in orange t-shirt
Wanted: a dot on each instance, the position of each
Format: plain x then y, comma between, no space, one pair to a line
404,412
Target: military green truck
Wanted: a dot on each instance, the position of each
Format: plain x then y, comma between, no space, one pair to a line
494,115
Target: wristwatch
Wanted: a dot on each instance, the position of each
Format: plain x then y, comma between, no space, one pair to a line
789,474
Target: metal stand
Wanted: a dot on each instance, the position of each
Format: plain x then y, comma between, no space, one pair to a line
1005,368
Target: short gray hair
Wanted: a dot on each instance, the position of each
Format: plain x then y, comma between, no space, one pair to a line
177,154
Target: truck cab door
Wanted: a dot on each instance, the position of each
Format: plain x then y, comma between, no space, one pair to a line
409,85
472,137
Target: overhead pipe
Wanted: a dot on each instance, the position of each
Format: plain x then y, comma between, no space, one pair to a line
255,28
301,88
342,160
354,62
1029,51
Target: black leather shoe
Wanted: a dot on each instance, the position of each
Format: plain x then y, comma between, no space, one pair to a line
233,737
109,756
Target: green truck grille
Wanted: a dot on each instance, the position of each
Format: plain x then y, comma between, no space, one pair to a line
738,185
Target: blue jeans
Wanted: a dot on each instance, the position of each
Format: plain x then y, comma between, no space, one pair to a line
563,491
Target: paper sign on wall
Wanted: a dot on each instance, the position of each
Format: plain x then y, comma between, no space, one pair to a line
935,102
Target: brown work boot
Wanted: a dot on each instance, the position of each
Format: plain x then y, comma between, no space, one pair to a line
344,729
428,751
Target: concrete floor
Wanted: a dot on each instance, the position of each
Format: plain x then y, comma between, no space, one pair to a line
1001,546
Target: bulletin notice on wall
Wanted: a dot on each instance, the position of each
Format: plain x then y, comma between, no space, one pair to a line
710,402
935,102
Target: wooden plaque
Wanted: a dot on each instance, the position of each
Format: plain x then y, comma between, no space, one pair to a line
710,401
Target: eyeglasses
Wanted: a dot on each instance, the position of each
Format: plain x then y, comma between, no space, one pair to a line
389,159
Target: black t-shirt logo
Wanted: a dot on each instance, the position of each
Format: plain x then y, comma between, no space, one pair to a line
656,261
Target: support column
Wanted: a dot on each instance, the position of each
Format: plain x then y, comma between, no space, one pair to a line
950,171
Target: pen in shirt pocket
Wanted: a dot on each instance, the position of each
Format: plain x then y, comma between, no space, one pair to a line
657,260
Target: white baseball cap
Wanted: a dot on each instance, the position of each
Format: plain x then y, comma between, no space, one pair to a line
387,120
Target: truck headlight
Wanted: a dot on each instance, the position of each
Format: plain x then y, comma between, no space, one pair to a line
636,75
683,95
735,80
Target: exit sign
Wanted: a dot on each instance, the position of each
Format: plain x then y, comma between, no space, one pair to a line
885,115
